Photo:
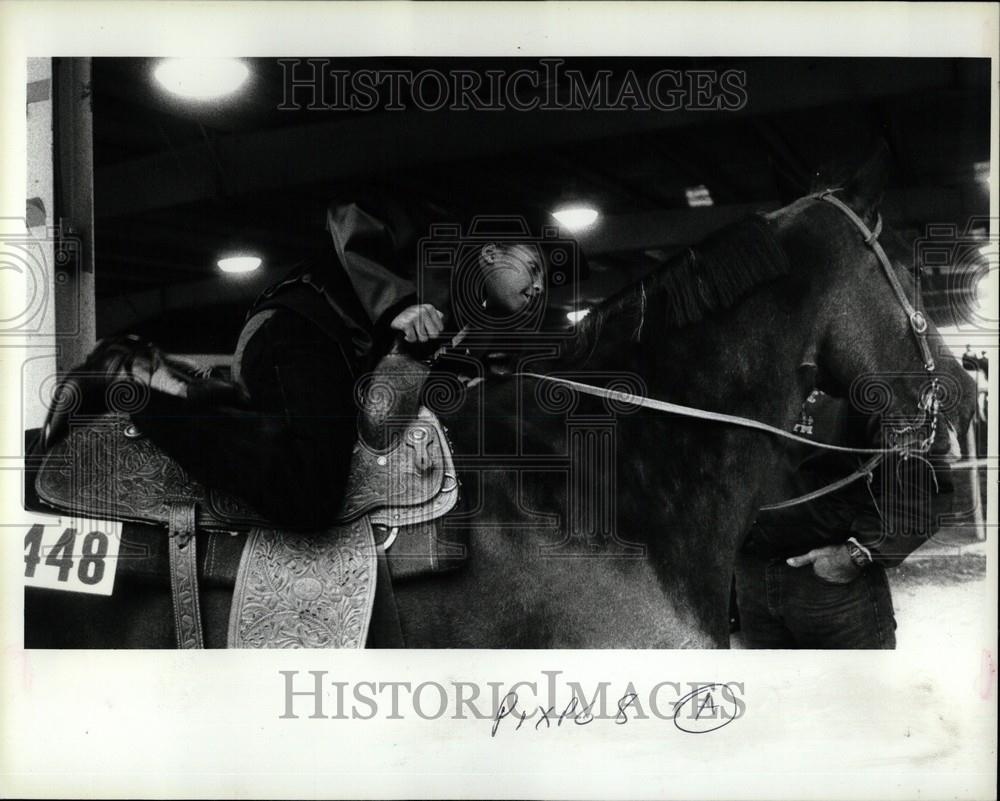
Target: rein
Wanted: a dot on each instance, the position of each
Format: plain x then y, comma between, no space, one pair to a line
744,422
918,325
865,471
697,414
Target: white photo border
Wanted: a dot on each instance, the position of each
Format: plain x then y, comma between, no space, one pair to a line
154,724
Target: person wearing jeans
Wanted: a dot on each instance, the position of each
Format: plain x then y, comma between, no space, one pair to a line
813,575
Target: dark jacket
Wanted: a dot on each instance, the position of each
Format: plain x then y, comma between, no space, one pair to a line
892,515
307,340
369,275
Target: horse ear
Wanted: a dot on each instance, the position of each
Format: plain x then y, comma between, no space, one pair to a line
864,190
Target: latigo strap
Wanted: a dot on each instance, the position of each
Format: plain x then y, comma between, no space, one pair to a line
184,576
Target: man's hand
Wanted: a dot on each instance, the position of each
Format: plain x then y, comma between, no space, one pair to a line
832,563
421,322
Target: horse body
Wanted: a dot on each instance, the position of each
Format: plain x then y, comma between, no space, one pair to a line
592,523
681,493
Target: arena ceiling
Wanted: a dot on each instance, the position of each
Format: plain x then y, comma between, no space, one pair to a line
178,183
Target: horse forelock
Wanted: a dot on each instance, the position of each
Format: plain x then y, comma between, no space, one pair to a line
707,278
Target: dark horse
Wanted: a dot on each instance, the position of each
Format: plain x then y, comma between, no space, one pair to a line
594,523
656,505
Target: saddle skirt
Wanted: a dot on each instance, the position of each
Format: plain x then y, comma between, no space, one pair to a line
293,588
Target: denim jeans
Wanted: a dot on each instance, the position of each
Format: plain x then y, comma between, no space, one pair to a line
792,607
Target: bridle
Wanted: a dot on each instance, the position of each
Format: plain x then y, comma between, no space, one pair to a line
918,322
929,403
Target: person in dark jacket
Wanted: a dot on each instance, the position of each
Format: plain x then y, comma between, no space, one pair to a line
281,435
813,575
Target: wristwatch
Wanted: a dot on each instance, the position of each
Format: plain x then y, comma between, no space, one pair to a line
859,554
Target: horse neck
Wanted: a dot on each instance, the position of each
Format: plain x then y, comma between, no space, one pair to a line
737,361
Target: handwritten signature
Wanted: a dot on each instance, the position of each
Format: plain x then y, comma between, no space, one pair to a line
704,709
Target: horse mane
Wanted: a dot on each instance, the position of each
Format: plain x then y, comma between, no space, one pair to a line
704,279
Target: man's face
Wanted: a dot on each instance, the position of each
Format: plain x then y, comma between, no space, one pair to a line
512,276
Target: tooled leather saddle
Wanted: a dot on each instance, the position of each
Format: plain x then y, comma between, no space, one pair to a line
292,589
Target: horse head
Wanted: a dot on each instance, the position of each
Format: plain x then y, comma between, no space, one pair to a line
873,342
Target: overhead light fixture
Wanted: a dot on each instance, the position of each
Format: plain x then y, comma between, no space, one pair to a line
576,218
239,264
201,78
699,196
575,316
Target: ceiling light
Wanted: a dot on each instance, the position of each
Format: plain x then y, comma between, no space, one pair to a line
239,264
699,196
201,78
575,316
576,218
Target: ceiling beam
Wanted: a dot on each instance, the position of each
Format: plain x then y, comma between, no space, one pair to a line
380,143
916,206
617,234
663,229
125,312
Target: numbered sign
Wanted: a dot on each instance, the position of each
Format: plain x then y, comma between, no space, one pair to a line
72,554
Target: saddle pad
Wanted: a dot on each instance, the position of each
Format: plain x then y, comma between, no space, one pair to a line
296,590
